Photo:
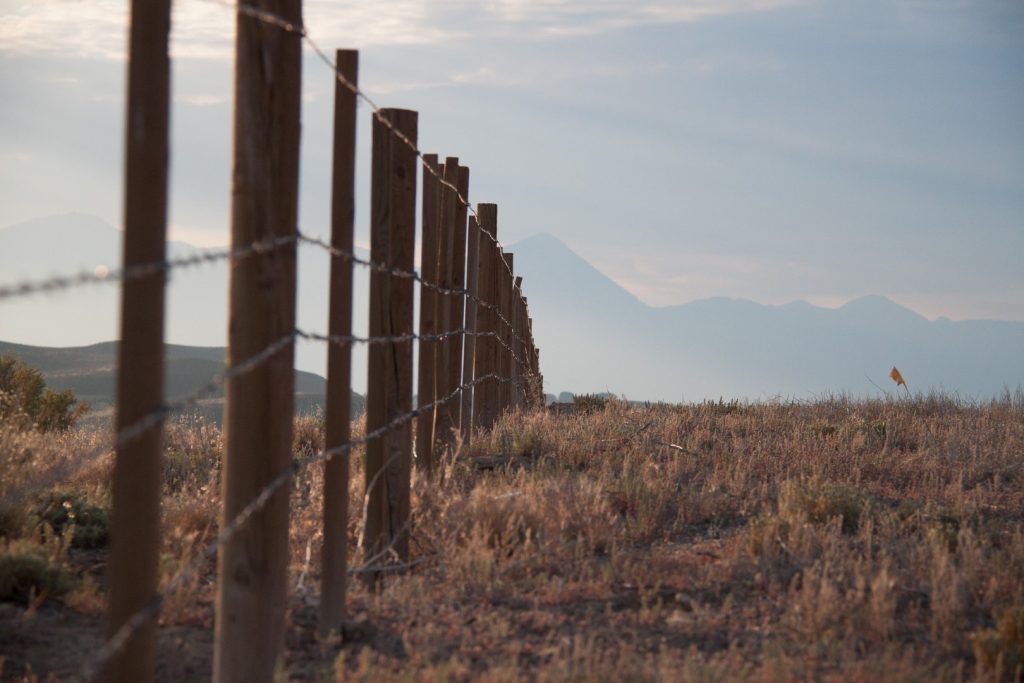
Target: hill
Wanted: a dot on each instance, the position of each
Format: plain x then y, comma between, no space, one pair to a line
91,372
197,301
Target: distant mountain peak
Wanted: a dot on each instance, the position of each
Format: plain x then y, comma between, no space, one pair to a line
541,239
879,306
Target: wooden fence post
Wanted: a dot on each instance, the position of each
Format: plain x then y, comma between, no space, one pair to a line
540,377
389,386
426,385
135,537
252,567
446,305
339,356
524,349
485,396
456,309
470,343
507,282
517,331
531,364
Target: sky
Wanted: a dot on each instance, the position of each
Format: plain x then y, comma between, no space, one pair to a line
771,150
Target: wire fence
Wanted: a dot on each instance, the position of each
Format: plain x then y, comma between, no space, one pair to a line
508,361
218,382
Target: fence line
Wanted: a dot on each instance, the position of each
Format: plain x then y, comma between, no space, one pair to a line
169,408
505,364
112,645
403,273
292,27
64,282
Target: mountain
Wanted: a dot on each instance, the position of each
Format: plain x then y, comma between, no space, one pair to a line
91,372
595,336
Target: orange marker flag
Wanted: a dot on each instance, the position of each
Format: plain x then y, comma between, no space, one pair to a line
898,378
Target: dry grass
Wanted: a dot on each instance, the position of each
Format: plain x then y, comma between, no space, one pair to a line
835,540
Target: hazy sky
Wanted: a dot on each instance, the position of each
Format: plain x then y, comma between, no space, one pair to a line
764,149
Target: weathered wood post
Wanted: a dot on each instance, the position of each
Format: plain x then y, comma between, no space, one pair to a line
486,393
449,203
505,367
252,566
334,563
456,311
389,386
135,537
472,325
426,385
518,372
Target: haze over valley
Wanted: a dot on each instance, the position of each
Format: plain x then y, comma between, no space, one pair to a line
593,334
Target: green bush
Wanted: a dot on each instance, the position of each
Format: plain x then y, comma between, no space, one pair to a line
23,576
63,512
26,401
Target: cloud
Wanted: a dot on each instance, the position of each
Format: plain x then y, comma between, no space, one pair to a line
203,100
569,18
82,29
204,29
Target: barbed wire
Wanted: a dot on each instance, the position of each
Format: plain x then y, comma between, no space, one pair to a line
58,283
300,30
218,381
263,246
149,421
152,608
410,275
134,272
345,340
153,419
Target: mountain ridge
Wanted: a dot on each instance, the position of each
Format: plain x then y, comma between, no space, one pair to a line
594,335
723,346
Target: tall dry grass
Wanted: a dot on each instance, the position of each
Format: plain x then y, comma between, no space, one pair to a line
832,540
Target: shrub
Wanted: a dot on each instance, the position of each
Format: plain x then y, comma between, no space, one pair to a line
26,401
62,512
23,576
589,403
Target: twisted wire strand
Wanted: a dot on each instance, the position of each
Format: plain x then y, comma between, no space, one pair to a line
233,254
152,608
140,270
347,340
411,275
118,640
150,420
291,27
